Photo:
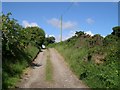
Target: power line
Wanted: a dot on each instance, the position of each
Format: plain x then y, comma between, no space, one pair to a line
65,11
76,27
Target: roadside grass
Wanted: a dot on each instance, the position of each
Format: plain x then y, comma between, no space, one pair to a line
95,76
13,70
74,57
49,69
32,51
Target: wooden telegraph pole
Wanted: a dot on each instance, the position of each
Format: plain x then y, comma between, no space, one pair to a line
61,29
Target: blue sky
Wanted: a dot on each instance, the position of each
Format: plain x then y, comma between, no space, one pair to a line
90,17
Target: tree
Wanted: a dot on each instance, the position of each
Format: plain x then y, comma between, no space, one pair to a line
10,34
79,33
116,31
15,37
15,42
49,40
36,36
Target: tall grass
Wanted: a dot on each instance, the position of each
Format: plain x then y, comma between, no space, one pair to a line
13,70
95,76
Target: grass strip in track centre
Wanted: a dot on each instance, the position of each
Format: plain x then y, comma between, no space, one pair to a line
49,68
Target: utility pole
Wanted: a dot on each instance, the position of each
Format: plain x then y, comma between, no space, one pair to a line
61,29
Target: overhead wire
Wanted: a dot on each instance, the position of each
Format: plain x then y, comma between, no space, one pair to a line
68,8
65,11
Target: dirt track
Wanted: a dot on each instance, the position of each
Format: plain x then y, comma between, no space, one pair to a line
62,75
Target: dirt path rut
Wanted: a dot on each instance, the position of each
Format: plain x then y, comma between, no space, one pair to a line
62,75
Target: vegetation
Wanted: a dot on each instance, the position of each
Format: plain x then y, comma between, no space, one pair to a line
49,40
19,47
49,69
94,59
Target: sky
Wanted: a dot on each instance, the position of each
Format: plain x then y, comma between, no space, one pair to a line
90,17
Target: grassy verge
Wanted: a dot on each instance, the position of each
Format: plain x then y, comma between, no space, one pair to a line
13,70
95,76
49,69
73,57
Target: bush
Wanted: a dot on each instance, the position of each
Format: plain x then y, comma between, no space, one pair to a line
104,75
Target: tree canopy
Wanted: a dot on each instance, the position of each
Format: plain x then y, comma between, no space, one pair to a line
15,36
49,40
116,31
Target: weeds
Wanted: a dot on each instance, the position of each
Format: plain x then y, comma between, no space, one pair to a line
49,68
80,60
12,71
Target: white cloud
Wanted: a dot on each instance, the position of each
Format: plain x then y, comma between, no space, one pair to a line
46,35
57,38
70,34
28,24
65,37
90,21
51,35
65,25
89,32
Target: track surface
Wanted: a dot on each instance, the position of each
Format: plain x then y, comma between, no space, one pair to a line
62,75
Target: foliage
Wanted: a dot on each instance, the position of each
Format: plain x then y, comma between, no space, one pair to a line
13,70
79,33
14,35
36,36
10,35
116,31
80,53
49,40
19,47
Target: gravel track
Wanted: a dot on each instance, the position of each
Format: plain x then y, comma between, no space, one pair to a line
63,77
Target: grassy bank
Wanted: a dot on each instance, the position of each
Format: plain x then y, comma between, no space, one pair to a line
13,67
49,69
95,61
19,48
95,76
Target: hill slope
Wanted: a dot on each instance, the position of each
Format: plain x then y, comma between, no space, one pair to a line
93,59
